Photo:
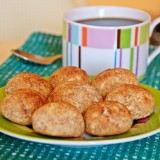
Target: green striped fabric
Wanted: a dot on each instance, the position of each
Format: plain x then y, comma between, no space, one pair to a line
38,43
16,149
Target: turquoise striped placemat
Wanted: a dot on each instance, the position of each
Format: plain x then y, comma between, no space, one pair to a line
16,149
37,43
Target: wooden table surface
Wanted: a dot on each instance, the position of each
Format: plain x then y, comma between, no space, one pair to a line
6,46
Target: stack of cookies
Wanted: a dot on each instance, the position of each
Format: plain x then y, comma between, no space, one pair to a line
69,103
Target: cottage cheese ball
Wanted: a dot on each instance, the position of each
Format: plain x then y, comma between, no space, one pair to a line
59,119
19,105
68,73
28,80
107,118
138,100
109,79
78,94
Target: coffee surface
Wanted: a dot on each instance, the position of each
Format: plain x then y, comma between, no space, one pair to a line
111,22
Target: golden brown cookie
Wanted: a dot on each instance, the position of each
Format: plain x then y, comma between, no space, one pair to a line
59,119
28,80
68,73
78,94
19,105
109,79
107,118
138,100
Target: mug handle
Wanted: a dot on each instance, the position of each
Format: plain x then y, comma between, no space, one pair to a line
154,23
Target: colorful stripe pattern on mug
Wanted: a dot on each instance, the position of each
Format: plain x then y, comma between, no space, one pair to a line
126,45
109,38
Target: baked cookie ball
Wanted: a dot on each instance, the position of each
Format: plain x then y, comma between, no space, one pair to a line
107,118
28,80
78,94
138,100
109,79
68,73
59,119
19,105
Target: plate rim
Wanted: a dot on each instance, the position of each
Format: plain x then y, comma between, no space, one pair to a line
97,142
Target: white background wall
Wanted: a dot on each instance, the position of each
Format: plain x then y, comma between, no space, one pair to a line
19,18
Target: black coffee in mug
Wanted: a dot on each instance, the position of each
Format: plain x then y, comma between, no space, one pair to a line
110,22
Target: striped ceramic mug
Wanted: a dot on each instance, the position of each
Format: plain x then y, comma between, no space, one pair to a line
102,37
